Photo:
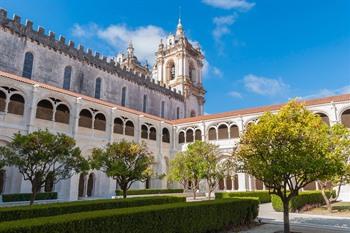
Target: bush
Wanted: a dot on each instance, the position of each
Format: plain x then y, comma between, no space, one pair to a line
148,191
208,216
23,212
264,196
297,203
26,196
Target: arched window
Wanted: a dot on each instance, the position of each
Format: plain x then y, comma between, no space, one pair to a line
178,113
123,103
162,109
234,132
212,134
100,122
90,185
81,82
98,88
81,185
144,106
181,137
166,135
2,180
85,119
193,113
152,134
16,104
191,72
324,118
118,126
144,132
129,128
222,132
67,77
49,182
62,114
198,135
2,101
28,65
170,68
189,136
345,118
44,110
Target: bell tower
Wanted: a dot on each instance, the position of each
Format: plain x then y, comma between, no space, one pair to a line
179,64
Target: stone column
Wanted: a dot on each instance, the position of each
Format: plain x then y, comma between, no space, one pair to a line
31,108
225,183
110,125
232,183
75,116
242,182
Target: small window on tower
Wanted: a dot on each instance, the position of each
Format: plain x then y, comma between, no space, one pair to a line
172,72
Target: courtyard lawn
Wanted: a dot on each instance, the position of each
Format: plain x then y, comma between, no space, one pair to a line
341,209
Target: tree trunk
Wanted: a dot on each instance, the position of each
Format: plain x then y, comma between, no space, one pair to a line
194,193
326,199
209,194
286,216
33,196
124,191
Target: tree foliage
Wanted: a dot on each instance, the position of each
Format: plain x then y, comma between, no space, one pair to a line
40,156
287,151
126,162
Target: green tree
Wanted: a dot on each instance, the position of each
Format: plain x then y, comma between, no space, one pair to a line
126,162
287,151
41,155
178,171
339,138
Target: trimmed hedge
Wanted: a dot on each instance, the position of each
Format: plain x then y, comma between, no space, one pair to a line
195,217
23,212
264,196
298,202
26,196
148,191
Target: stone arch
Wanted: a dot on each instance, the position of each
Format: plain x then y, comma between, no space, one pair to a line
28,65
91,185
2,101
81,185
100,121
16,104
181,137
234,131
44,110
345,118
193,113
2,180
165,135
118,126
124,94
198,135
129,128
259,185
189,135
98,84
144,103
85,118
212,134
153,134
222,131
144,132
170,70
62,113
67,77
192,71
324,117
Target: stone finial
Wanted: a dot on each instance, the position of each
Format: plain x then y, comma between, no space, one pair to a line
41,31
16,19
71,44
80,48
29,25
52,36
62,39
89,52
104,58
3,15
97,55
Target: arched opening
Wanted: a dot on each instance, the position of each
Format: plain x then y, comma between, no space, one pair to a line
100,122
222,132
16,105
2,180
162,109
44,110
148,183
170,69
85,119
178,113
123,102
67,77
234,132
345,118
198,135
212,134
49,182
2,101
228,183
189,136
144,106
118,126
310,186
81,82
90,185
81,185
235,182
129,128
259,185
181,137
153,134
62,114
191,72
324,117
98,88
221,184
166,135
28,65
193,113
144,132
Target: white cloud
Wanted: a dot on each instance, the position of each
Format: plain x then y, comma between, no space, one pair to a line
235,94
327,92
217,72
265,86
230,4
222,25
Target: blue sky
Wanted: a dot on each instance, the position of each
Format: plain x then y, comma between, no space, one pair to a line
257,52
